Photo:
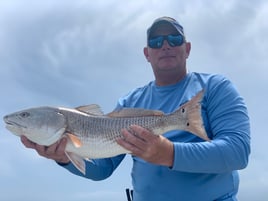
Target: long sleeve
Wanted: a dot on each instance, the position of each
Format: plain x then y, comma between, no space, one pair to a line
97,169
227,123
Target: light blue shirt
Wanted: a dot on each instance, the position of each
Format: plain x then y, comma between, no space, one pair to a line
202,171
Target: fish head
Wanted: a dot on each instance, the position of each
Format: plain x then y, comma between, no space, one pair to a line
42,125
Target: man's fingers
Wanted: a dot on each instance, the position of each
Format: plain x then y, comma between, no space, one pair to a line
41,150
51,150
62,144
143,133
128,142
27,143
133,139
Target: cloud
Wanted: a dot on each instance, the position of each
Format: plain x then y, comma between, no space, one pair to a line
68,47
74,53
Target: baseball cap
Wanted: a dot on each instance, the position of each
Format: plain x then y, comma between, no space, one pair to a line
168,20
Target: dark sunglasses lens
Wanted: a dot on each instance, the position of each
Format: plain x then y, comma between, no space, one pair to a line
156,42
175,40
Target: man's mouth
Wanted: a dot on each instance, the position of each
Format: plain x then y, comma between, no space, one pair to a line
167,57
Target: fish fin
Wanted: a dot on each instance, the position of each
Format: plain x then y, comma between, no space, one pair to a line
134,112
194,122
75,140
77,161
92,109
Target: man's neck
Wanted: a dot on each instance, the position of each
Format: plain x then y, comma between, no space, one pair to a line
169,79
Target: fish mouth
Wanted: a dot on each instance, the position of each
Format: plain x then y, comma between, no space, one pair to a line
12,123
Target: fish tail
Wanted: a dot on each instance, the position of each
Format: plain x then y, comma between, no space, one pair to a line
192,113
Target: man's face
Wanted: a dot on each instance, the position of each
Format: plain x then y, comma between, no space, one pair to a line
167,58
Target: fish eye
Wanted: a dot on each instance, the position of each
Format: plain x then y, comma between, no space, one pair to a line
24,114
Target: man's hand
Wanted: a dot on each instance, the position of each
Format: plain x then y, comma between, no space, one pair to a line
144,144
54,151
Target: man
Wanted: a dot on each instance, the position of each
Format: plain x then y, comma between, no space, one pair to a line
177,165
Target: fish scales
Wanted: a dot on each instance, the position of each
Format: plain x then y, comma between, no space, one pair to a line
100,133
91,134
96,133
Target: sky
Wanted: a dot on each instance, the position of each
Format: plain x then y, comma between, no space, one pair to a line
71,53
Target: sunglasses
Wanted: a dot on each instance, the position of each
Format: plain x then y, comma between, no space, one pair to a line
173,40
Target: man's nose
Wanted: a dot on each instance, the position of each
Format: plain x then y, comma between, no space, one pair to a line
166,45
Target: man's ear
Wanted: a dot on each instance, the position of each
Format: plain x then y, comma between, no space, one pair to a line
145,52
188,48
